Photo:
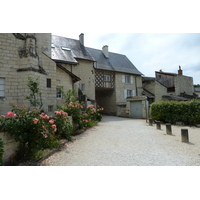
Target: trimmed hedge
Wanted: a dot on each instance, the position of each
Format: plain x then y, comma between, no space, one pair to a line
1,152
187,112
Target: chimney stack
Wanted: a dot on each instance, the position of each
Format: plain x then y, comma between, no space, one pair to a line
81,38
180,71
105,51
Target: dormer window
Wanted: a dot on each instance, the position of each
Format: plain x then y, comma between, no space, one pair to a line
65,48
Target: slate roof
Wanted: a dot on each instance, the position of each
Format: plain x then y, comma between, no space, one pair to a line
115,62
75,50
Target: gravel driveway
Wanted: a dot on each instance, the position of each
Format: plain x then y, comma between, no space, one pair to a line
119,141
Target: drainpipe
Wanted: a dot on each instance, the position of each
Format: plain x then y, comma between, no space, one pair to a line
136,86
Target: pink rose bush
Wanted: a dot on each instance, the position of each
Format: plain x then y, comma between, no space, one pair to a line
82,117
36,131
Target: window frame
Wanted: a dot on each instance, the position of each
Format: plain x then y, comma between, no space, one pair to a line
127,79
59,94
3,87
48,83
107,78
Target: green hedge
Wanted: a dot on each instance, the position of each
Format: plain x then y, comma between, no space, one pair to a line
1,152
187,112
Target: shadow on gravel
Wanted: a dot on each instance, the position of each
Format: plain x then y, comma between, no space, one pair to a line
110,118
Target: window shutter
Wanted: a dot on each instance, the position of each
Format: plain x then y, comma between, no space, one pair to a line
123,78
132,79
125,94
133,93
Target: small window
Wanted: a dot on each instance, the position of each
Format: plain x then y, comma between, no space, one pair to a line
59,93
50,108
129,93
2,87
52,45
66,48
48,83
107,78
82,87
127,79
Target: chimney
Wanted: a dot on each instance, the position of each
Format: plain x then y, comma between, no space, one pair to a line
180,71
81,38
105,51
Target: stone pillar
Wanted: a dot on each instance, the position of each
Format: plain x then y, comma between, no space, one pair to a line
150,122
184,135
168,129
158,125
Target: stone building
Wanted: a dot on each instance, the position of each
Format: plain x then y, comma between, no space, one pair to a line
29,55
72,55
168,86
118,84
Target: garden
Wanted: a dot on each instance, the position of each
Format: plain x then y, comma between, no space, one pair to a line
38,132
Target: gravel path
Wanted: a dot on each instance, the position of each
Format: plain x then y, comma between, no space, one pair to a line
119,141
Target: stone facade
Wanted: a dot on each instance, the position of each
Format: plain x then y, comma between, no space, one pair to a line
24,55
178,85
10,146
85,71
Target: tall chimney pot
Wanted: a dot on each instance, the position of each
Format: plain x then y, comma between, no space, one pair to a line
81,38
105,51
180,71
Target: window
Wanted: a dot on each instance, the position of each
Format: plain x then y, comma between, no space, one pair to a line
50,108
107,78
66,48
127,79
48,83
2,87
59,93
83,87
129,93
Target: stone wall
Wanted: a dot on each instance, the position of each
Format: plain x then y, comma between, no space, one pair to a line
10,146
184,84
85,71
29,56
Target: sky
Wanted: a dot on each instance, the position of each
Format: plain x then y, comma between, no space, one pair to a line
151,52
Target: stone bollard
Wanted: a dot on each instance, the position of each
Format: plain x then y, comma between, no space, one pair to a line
168,129
158,125
150,122
184,135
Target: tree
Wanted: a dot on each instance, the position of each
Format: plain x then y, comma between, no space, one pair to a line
35,96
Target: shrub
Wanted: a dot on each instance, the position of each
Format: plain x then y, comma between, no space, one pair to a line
1,152
35,131
174,111
82,117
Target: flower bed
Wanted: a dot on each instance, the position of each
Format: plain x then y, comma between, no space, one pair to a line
36,131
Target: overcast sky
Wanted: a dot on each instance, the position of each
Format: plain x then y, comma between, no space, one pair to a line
150,52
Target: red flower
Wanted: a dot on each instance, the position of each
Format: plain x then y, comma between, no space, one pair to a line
10,114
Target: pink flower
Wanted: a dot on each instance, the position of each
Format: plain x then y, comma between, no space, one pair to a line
3,116
53,126
55,129
35,120
44,127
57,112
10,114
46,117
45,135
51,121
